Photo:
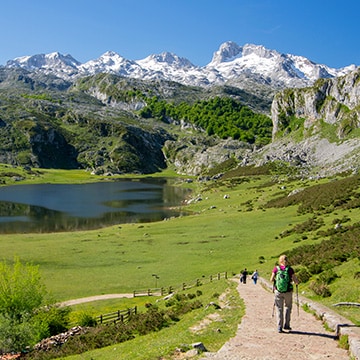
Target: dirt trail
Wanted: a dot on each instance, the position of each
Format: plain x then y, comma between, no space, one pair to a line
257,337
94,298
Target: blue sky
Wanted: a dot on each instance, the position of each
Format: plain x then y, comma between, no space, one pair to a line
325,31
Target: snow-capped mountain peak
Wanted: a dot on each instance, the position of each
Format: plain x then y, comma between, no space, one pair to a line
230,63
269,66
165,59
110,62
228,51
45,61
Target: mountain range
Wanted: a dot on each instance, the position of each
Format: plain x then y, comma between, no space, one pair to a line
239,66
113,115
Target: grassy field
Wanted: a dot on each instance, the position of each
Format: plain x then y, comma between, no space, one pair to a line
220,236
227,229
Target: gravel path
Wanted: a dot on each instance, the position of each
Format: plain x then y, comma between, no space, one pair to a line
94,298
257,337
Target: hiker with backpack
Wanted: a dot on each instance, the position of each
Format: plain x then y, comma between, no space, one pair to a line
283,276
243,276
255,276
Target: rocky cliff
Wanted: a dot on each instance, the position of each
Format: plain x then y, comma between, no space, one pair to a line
334,101
317,128
96,124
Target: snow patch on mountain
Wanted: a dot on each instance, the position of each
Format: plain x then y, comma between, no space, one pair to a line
111,62
49,63
230,62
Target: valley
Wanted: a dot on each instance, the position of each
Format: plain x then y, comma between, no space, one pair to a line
267,142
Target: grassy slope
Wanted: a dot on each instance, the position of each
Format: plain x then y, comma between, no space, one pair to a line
123,258
164,342
220,235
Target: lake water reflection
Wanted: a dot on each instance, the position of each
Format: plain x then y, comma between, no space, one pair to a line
70,207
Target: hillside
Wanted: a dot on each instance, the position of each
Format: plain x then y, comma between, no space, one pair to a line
108,124
111,122
317,128
264,213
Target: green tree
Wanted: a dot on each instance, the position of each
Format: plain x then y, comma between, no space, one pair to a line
22,298
224,117
21,290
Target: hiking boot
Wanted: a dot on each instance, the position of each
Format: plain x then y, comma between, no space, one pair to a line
287,328
280,330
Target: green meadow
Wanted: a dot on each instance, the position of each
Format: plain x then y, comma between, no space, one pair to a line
219,234
228,227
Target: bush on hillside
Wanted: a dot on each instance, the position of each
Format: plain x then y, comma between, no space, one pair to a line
154,319
319,288
303,275
323,198
320,259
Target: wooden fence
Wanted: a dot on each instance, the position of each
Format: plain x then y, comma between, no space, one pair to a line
124,315
184,286
114,317
152,292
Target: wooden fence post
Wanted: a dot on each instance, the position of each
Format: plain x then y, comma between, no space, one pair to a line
218,276
184,286
211,278
226,275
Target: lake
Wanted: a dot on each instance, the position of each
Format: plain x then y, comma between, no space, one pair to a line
71,207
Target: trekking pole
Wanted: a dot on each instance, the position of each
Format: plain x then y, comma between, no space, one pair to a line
297,298
273,289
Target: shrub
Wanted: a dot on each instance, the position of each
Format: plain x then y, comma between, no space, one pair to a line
22,295
327,277
86,320
322,197
52,321
315,268
152,320
319,288
303,275
188,306
94,338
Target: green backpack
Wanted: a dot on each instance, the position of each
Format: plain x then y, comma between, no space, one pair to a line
282,280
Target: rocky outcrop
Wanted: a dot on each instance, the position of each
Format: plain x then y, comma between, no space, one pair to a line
335,101
324,117
56,341
313,156
195,155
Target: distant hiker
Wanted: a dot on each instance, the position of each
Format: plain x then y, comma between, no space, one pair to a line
243,276
283,276
255,276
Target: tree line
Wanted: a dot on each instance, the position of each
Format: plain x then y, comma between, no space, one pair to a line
224,117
